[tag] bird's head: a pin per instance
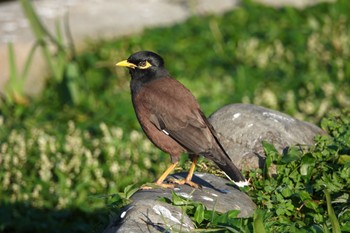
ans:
(144, 65)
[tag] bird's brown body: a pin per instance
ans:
(171, 117)
(149, 103)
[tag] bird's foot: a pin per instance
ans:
(156, 185)
(185, 181)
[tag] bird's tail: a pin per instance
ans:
(222, 160)
(226, 165)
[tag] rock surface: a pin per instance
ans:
(147, 214)
(292, 3)
(242, 128)
(150, 216)
(216, 194)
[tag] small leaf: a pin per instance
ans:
(177, 200)
(129, 191)
(199, 214)
(331, 214)
(73, 76)
(287, 192)
(258, 224)
(233, 213)
(343, 159)
(270, 150)
(304, 169)
(311, 204)
(280, 211)
(293, 154)
(303, 195)
(307, 164)
(271, 155)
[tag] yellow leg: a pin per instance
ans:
(188, 179)
(192, 168)
(160, 180)
(166, 173)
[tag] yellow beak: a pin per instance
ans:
(125, 63)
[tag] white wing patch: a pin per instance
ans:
(165, 132)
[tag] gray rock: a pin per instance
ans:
(147, 214)
(291, 3)
(150, 216)
(242, 128)
(216, 194)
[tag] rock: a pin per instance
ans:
(216, 194)
(147, 214)
(291, 3)
(242, 128)
(150, 216)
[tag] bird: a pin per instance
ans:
(172, 119)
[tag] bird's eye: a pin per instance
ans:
(144, 65)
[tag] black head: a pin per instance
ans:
(139, 59)
(144, 65)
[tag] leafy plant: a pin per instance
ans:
(121, 199)
(14, 89)
(299, 196)
(63, 65)
(209, 220)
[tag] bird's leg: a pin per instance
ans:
(188, 179)
(166, 173)
(160, 180)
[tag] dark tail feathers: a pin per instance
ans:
(229, 168)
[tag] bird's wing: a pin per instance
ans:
(174, 110)
(190, 134)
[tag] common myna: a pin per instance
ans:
(172, 119)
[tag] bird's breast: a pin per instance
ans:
(158, 137)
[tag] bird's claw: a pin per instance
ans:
(185, 181)
(150, 186)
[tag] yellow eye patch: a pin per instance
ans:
(144, 65)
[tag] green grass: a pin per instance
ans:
(62, 160)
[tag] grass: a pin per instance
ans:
(66, 161)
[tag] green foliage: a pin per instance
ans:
(210, 221)
(331, 214)
(258, 223)
(63, 66)
(14, 89)
(120, 199)
(91, 163)
(57, 159)
(294, 198)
